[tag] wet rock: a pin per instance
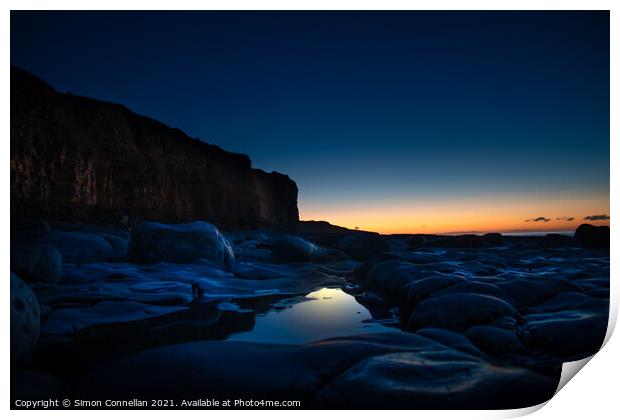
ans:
(179, 243)
(293, 249)
(75, 247)
(562, 301)
(362, 246)
(36, 263)
(370, 371)
(472, 286)
(360, 274)
(495, 341)
(599, 293)
(64, 321)
(100, 229)
(568, 333)
(459, 311)
(25, 320)
(259, 237)
(120, 248)
(506, 323)
(434, 380)
(248, 239)
(593, 237)
(331, 255)
(199, 321)
(593, 282)
(253, 255)
(526, 293)
(389, 277)
(423, 258)
(451, 339)
(246, 270)
(594, 305)
(238, 369)
(417, 290)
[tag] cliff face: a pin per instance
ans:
(76, 158)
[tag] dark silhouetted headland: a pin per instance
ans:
(77, 158)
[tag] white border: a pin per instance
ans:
(593, 394)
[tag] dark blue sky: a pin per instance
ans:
(365, 110)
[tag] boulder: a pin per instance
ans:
(259, 237)
(525, 293)
(288, 249)
(77, 247)
(472, 286)
(120, 248)
(568, 333)
(495, 341)
(152, 242)
(459, 311)
(389, 277)
(360, 274)
(593, 237)
(363, 246)
(417, 290)
(36, 263)
(506, 323)
(451, 339)
(423, 258)
(25, 320)
(107, 229)
(563, 301)
(434, 380)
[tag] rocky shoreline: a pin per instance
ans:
(477, 321)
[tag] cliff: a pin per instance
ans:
(81, 159)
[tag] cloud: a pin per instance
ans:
(597, 217)
(568, 219)
(539, 219)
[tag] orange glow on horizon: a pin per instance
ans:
(454, 216)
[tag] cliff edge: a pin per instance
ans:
(81, 159)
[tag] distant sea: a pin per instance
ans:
(513, 233)
(530, 233)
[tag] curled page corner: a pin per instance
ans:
(518, 412)
(569, 370)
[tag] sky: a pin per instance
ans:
(396, 122)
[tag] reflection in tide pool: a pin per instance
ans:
(327, 313)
